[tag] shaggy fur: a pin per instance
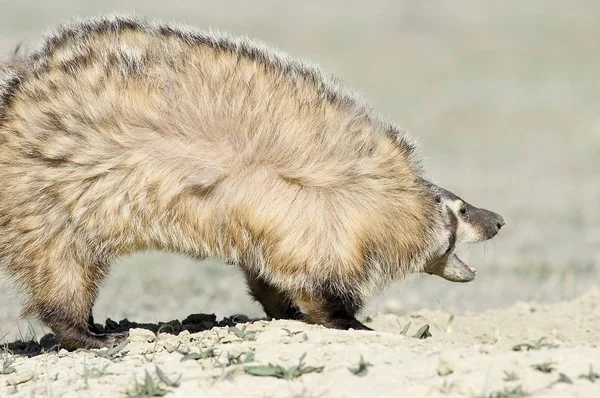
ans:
(119, 135)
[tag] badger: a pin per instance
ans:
(119, 134)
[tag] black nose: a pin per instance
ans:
(499, 221)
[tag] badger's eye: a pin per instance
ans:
(463, 210)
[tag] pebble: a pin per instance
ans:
(444, 368)
(19, 378)
(170, 345)
(141, 335)
(184, 335)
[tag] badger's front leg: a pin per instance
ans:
(330, 310)
(327, 309)
(275, 302)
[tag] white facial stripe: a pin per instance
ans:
(444, 244)
(465, 232)
(454, 205)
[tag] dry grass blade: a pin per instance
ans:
(267, 371)
(93, 372)
(149, 388)
(282, 372)
(450, 324)
(507, 392)
(563, 378)
(544, 367)
(362, 369)
(538, 345)
(510, 376)
(111, 352)
(242, 334)
(165, 379)
(423, 332)
(405, 329)
(291, 333)
(7, 361)
(591, 375)
(208, 353)
(239, 359)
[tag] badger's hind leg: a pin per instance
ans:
(62, 295)
(276, 303)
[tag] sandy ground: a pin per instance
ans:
(530, 348)
(503, 97)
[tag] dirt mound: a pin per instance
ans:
(529, 349)
(194, 323)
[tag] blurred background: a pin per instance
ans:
(504, 97)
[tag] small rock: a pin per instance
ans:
(261, 324)
(63, 353)
(19, 378)
(141, 335)
(184, 335)
(170, 345)
(444, 368)
(138, 348)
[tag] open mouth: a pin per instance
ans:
(448, 265)
(451, 268)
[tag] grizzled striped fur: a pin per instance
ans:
(119, 135)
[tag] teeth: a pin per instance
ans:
(472, 269)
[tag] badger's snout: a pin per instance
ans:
(499, 220)
(490, 223)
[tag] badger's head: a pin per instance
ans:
(473, 224)
(463, 223)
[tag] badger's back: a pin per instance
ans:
(119, 135)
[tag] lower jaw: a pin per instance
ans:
(452, 269)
